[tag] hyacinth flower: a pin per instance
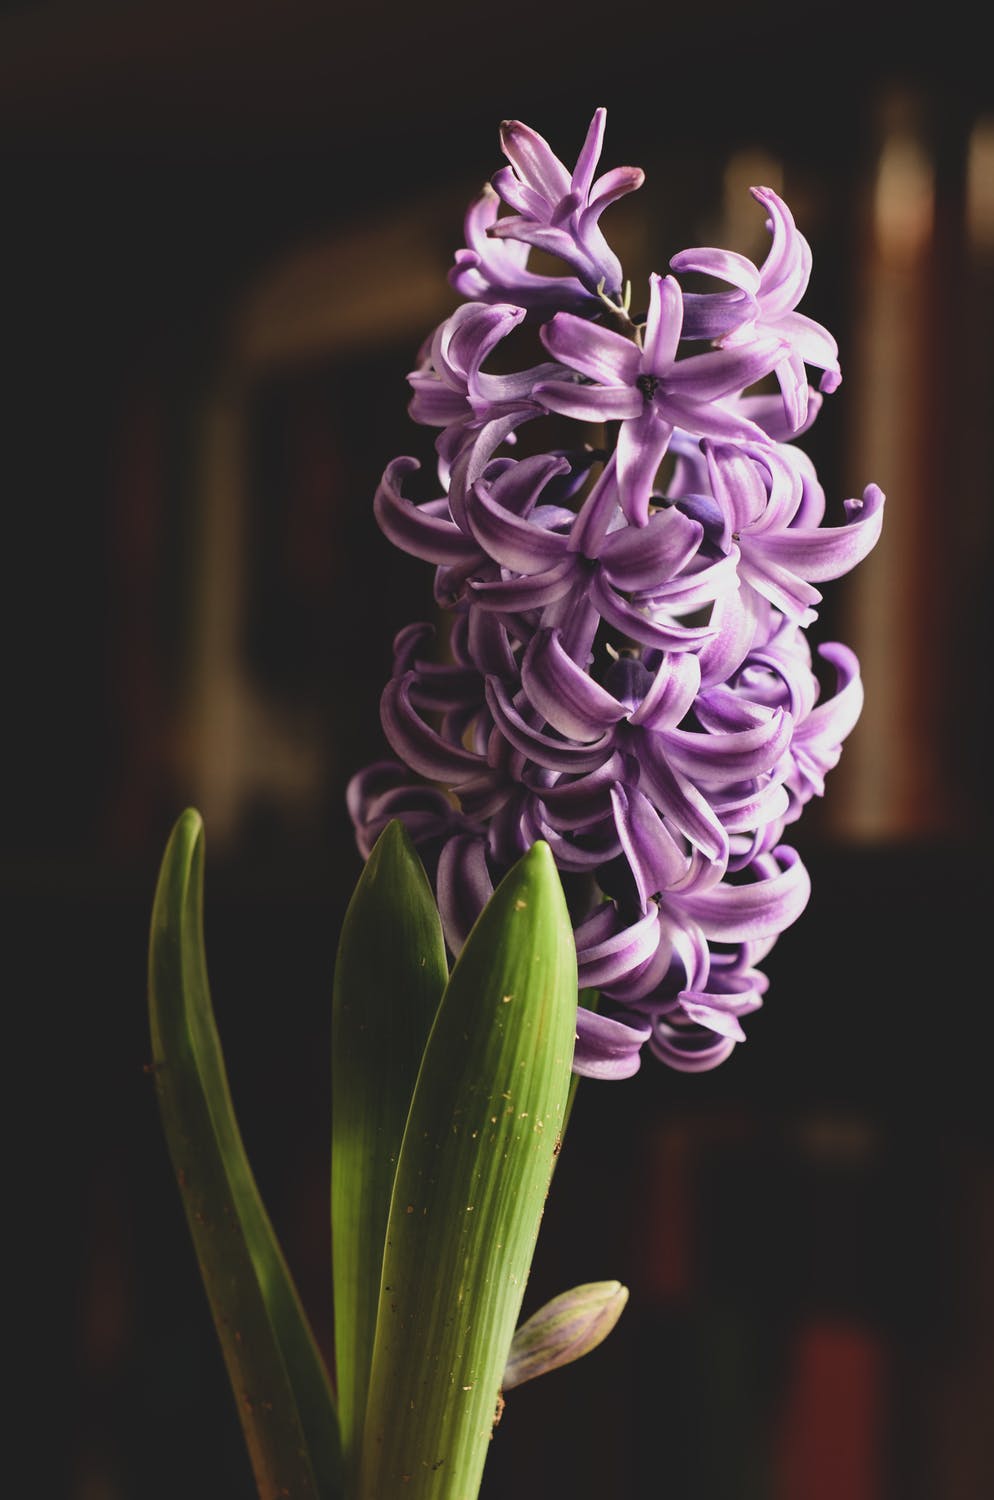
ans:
(553, 210)
(776, 288)
(642, 384)
(630, 677)
(577, 855)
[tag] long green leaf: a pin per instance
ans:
(471, 1182)
(278, 1378)
(390, 972)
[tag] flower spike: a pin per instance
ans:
(629, 678)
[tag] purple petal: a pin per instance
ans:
(679, 799)
(688, 1052)
(780, 586)
(528, 592)
(812, 343)
(605, 957)
(464, 340)
(383, 791)
(637, 624)
(471, 462)
(495, 390)
(639, 557)
(531, 230)
(597, 514)
(486, 644)
(605, 1048)
(708, 377)
(787, 266)
(794, 388)
(675, 685)
(599, 353)
(714, 315)
(493, 269)
(759, 807)
(555, 755)
(737, 913)
(518, 483)
(712, 419)
(576, 618)
(589, 403)
(563, 693)
(608, 189)
(725, 265)
(715, 760)
(434, 404)
(586, 858)
(425, 531)
(509, 540)
(464, 886)
(581, 802)
(734, 621)
(701, 585)
(590, 155)
(698, 1007)
(829, 552)
(530, 204)
(409, 644)
(736, 484)
(533, 159)
(654, 857)
(642, 444)
(759, 689)
(682, 948)
(834, 718)
(418, 745)
(663, 323)
(768, 414)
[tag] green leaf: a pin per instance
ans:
(564, 1330)
(389, 976)
(278, 1378)
(471, 1182)
(591, 1000)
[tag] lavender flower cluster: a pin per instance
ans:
(627, 673)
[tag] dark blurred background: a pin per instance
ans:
(226, 231)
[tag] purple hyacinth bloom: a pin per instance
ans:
(762, 506)
(451, 390)
(557, 211)
(776, 288)
(628, 674)
(383, 791)
(595, 568)
(649, 390)
(495, 269)
(691, 996)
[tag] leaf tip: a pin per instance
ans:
(539, 858)
(187, 833)
(393, 840)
